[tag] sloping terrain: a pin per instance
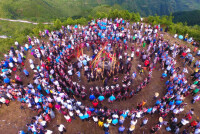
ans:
(15, 119)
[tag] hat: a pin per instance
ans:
(121, 118)
(40, 120)
(132, 127)
(160, 119)
(156, 94)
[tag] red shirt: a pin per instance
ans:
(146, 62)
(95, 104)
(184, 54)
(194, 123)
(47, 118)
(188, 116)
(117, 25)
(156, 27)
(89, 112)
(48, 59)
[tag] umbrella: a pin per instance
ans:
(180, 37)
(6, 80)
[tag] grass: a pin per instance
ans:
(14, 30)
(10, 28)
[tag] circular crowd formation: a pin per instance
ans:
(96, 63)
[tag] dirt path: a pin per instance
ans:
(25, 21)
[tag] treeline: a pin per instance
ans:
(190, 17)
(113, 13)
(175, 28)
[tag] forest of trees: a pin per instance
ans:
(190, 17)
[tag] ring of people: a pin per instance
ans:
(108, 72)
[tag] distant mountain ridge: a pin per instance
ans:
(50, 9)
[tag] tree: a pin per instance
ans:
(57, 24)
(82, 21)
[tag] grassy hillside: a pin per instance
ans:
(15, 31)
(190, 17)
(46, 10)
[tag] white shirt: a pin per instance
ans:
(95, 119)
(133, 122)
(48, 132)
(43, 123)
(2, 100)
(52, 71)
(71, 113)
(61, 128)
(11, 64)
(36, 99)
(70, 72)
(32, 66)
(58, 99)
(197, 131)
(16, 43)
(67, 117)
(30, 61)
(175, 111)
(184, 121)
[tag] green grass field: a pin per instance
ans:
(15, 31)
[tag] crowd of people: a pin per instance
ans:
(55, 84)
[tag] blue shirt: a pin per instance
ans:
(26, 72)
(78, 74)
(101, 98)
(6, 80)
(84, 62)
(149, 110)
(171, 103)
(157, 102)
(92, 97)
(178, 102)
(39, 87)
(121, 129)
(112, 98)
(164, 75)
(114, 121)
